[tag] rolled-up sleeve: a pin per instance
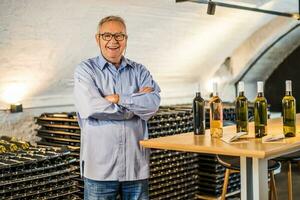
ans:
(90, 103)
(144, 105)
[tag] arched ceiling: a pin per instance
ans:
(43, 41)
(262, 68)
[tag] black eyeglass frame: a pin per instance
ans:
(124, 36)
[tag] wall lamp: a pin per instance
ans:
(15, 108)
(211, 8)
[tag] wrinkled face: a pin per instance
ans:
(112, 41)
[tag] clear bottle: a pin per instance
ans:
(241, 109)
(289, 111)
(260, 112)
(216, 114)
(199, 114)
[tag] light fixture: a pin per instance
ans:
(211, 7)
(15, 108)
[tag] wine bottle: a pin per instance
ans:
(216, 114)
(199, 114)
(9, 146)
(241, 110)
(289, 111)
(260, 112)
(21, 144)
(2, 149)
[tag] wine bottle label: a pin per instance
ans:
(216, 112)
(216, 124)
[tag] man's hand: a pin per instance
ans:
(114, 98)
(146, 90)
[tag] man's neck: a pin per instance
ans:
(117, 65)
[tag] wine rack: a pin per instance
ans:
(62, 130)
(28, 172)
(173, 175)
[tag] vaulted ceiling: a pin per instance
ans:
(41, 42)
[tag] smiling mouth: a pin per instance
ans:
(112, 48)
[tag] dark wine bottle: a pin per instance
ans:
(199, 114)
(289, 111)
(260, 112)
(241, 110)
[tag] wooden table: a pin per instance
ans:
(253, 153)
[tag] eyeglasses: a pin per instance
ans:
(108, 36)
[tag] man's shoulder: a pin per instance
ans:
(87, 64)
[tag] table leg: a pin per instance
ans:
(246, 178)
(260, 179)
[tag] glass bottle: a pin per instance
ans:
(241, 109)
(199, 114)
(9, 146)
(289, 111)
(216, 114)
(260, 112)
(2, 149)
(21, 144)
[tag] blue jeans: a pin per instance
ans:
(109, 190)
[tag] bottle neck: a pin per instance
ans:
(260, 94)
(288, 93)
(215, 89)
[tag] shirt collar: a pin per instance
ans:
(104, 63)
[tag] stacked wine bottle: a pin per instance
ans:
(28, 172)
(61, 130)
(173, 175)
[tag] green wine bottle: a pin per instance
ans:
(289, 111)
(260, 112)
(199, 114)
(241, 110)
(216, 114)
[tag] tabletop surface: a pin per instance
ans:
(247, 146)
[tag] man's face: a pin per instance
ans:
(112, 47)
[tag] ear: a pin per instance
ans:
(97, 39)
(125, 48)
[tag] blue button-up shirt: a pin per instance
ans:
(110, 133)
